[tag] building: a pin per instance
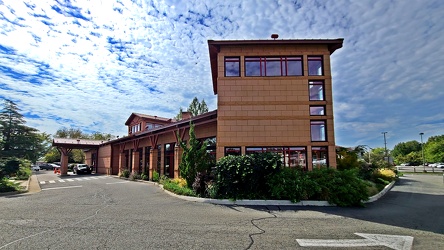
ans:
(272, 95)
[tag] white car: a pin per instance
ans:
(439, 165)
(35, 168)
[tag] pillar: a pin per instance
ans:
(153, 162)
(121, 161)
(177, 159)
(135, 161)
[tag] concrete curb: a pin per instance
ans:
(380, 194)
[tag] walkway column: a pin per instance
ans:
(177, 159)
(121, 162)
(153, 162)
(136, 161)
(64, 160)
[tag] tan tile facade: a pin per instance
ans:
(271, 111)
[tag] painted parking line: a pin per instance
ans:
(51, 181)
(120, 182)
(61, 188)
(69, 179)
(61, 181)
(42, 182)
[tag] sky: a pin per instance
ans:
(90, 64)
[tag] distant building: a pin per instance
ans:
(272, 95)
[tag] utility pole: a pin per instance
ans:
(385, 147)
(422, 149)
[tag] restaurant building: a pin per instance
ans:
(272, 95)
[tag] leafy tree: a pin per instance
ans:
(434, 149)
(195, 108)
(348, 158)
(194, 158)
(17, 139)
(401, 150)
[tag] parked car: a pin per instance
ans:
(82, 169)
(35, 168)
(439, 165)
(46, 166)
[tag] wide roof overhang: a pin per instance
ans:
(76, 143)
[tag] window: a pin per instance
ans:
(136, 128)
(273, 66)
(317, 110)
(319, 156)
(168, 168)
(315, 66)
(232, 66)
(316, 89)
(147, 160)
(318, 131)
(232, 151)
(290, 156)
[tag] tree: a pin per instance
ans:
(195, 108)
(401, 150)
(434, 149)
(348, 158)
(194, 158)
(17, 139)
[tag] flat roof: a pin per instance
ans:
(214, 48)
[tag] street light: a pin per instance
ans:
(422, 149)
(385, 147)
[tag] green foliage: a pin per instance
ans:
(415, 158)
(9, 166)
(8, 186)
(17, 139)
(290, 184)
(434, 149)
(156, 176)
(144, 176)
(175, 187)
(347, 158)
(343, 188)
(134, 176)
(405, 148)
(245, 176)
(125, 173)
(195, 158)
(195, 108)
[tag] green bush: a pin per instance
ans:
(144, 176)
(125, 173)
(23, 173)
(134, 176)
(155, 176)
(245, 176)
(343, 188)
(176, 188)
(8, 186)
(291, 184)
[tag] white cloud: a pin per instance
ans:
(117, 57)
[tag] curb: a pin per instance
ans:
(25, 190)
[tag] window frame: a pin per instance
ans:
(232, 59)
(237, 149)
(312, 124)
(316, 83)
(265, 61)
(318, 106)
(315, 58)
(318, 152)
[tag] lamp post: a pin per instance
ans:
(369, 153)
(385, 147)
(422, 149)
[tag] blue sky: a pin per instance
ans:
(90, 64)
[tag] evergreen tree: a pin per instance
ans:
(194, 158)
(17, 139)
(195, 108)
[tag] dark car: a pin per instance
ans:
(46, 166)
(82, 169)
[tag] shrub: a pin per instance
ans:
(23, 173)
(384, 174)
(134, 176)
(343, 188)
(290, 184)
(176, 187)
(156, 176)
(125, 173)
(8, 186)
(245, 176)
(144, 176)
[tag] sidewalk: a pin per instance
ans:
(26, 186)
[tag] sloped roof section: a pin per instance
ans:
(147, 117)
